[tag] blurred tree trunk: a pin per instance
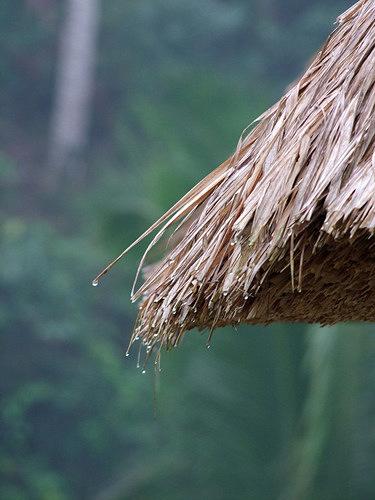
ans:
(74, 84)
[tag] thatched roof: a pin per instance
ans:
(284, 229)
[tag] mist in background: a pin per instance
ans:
(110, 111)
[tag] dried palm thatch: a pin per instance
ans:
(284, 229)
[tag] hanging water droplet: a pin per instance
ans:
(208, 346)
(95, 282)
(143, 372)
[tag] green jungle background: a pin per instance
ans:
(283, 412)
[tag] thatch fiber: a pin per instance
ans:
(284, 229)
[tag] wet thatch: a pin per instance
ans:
(284, 229)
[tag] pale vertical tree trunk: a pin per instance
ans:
(75, 74)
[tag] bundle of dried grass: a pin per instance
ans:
(284, 229)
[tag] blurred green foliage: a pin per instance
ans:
(282, 412)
